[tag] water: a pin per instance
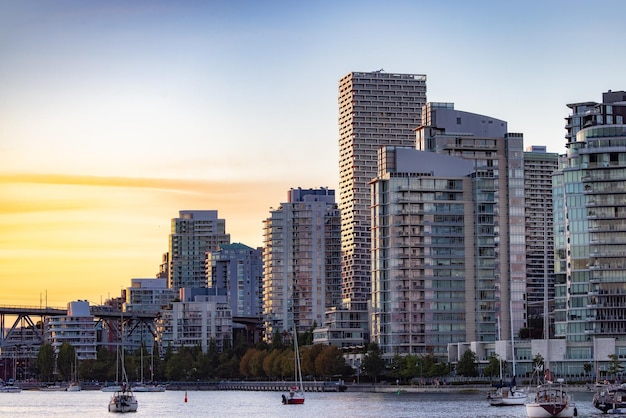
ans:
(93, 404)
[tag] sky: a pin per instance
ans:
(116, 115)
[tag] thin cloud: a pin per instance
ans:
(133, 182)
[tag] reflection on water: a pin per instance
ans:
(93, 404)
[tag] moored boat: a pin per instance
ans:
(10, 389)
(144, 387)
(123, 401)
(551, 400)
(111, 388)
(74, 387)
(507, 396)
(611, 399)
(53, 388)
(296, 392)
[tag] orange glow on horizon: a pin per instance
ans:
(85, 237)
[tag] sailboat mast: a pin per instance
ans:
(499, 338)
(297, 360)
(546, 323)
(512, 339)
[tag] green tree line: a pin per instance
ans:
(273, 361)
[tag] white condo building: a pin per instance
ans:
(76, 328)
(197, 320)
(301, 262)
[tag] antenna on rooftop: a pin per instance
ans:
(379, 71)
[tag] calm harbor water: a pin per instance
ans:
(92, 404)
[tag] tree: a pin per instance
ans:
(309, 355)
(256, 363)
(271, 364)
(65, 361)
(428, 363)
(398, 364)
(493, 368)
(373, 363)
(46, 362)
(588, 367)
(615, 368)
(330, 362)
(467, 364)
(439, 369)
(411, 366)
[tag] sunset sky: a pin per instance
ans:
(116, 115)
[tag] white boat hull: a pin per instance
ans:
(148, 388)
(54, 388)
(551, 400)
(546, 410)
(10, 389)
(123, 402)
(507, 397)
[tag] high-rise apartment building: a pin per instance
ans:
(376, 109)
(238, 270)
(423, 242)
(193, 234)
(497, 286)
(539, 165)
(590, 240)
(301, 261)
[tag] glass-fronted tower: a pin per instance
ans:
(590, 279)
(499, 252)
(422, 251)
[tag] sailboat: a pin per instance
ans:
(296, 392)
(74, 385)
(551, 398)
(123, 400)
(115, 387)
(152, 387)
(508, 395)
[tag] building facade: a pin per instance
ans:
(77, 328)
(238, 269)
(499, 280)
(590, 243)
(539, 165)
(301, 261)
(422, 251)
(200, 319)
(193, 234)
(375, 109)
(146, 296)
